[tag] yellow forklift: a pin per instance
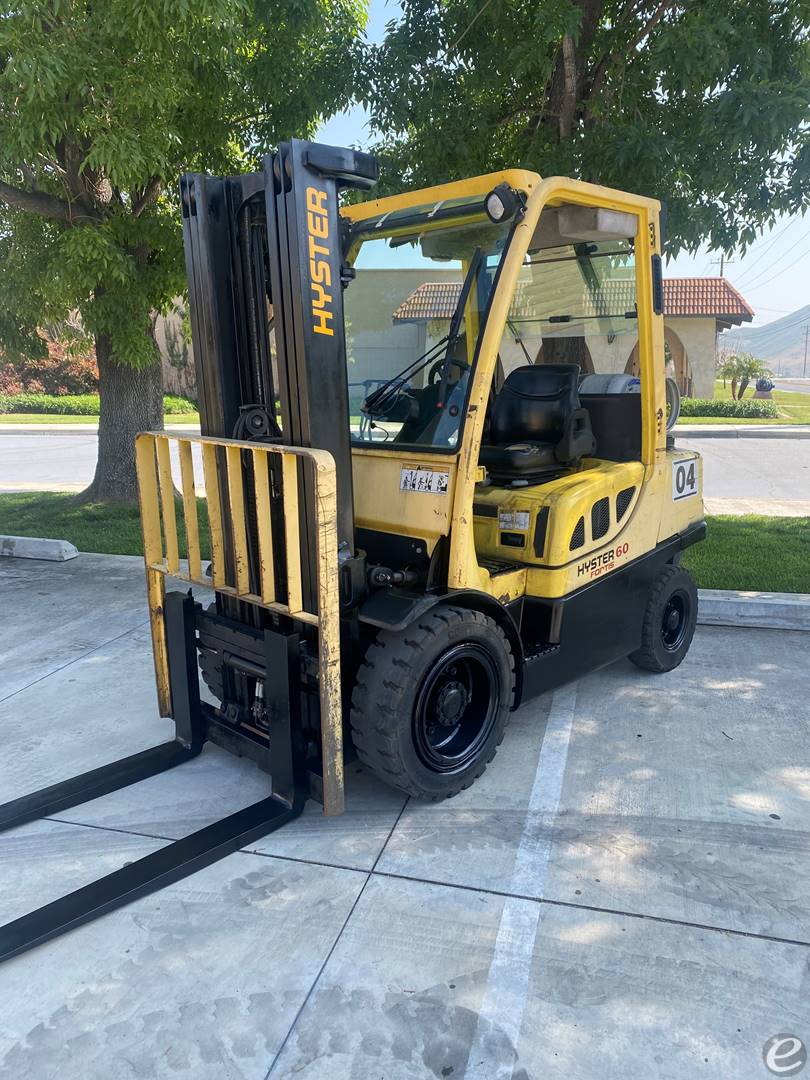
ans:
(439, 480)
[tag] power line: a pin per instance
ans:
(723, 261)
(776, 262)
(766, 249)
(780, 324)
(766, 335)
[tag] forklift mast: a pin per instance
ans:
(265, 267)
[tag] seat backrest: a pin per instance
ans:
(534, 403)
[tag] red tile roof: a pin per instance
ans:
(712, 298)
(705, 296)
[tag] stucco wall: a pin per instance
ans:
(176, 354)
(698, 337)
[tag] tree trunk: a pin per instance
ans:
(131, 401)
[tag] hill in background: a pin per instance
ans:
(780, 344)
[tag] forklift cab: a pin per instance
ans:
(514, 328)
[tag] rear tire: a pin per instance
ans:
(431, 702)
(669, 621)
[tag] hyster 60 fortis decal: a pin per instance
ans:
(603, 562)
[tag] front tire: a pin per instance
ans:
(669, 621)
(431, 702)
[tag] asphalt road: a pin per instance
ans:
(795, 386)
(52, 460)
(734, 468)
(753, 468)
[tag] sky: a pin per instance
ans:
(773, 276)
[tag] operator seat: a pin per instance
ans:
(538, 427)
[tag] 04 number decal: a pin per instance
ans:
(684, 478)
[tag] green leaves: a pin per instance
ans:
(703, 104)
(104, 104)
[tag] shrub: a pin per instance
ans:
(751, 409)
(62, 371)
(10, 382)
(77, 404)
(174, 404)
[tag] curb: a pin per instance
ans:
(716, 607)
(765, 611)
(34, 547)
(752, 431)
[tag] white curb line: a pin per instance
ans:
(769, 611)
(35, 547)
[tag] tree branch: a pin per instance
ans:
(40, 202)
(616, 57)
(568, 103)
(147, 196)
(652, 22)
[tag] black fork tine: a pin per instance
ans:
(90, 785)
(144, 876)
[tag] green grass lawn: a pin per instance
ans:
(102, 527)
(753, 553)
(761, 554)
(170, 420)
(794, 408)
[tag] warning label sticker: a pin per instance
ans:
(517, 519)
(429, 481)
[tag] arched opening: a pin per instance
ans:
(676, 361)
(566, 350)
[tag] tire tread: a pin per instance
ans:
(390, 668)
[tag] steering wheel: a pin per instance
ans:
(435, 373)
(397, 404)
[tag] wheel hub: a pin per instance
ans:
(451, 702)
(674, 620)
(456, 707)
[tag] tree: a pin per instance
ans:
(703, 103)
(748, 368)
(102, 106)
(741, 368)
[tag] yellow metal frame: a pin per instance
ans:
(519, 179)
(162, 553)
(376, 468)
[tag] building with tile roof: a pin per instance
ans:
(696, 310)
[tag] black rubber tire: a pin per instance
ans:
(655, 654)
(387, 689)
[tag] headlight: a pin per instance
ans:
(501, 204)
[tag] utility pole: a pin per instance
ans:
(804, 365)
(723, 262)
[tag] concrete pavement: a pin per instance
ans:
(625, 893)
